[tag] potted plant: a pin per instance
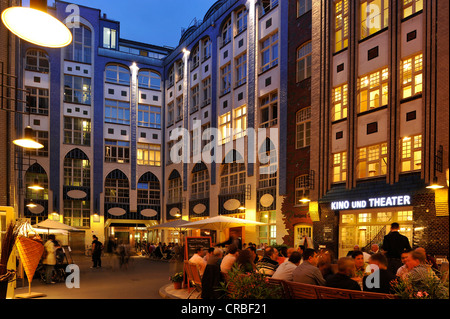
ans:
(177, 280)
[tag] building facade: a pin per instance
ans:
(320, 118)
(375, 127)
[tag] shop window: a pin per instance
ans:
(384, 217)
(403, 216)
(348, 219)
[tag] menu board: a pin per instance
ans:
(193, 242)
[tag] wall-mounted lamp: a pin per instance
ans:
(304, 200)
(36, 186)
(36, 26)
(28, 140)
(435, 184)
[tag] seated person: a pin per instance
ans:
(197, 259)
(308, 272)
(229, 259)
(343, 278)
(286, 269)
(212, 277)
(382, 277)
(268, 264)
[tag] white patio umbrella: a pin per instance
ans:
(177, 225)
(53, 224)
(220, 223)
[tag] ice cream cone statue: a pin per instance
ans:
(30, 252)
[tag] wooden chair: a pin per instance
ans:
(300, 291)
(331, 293)
(196, 279)
(279, 283)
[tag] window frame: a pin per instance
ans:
(303, 124)
(304, 61)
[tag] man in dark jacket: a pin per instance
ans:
(382, 277)
(394, 244)
(342, 279)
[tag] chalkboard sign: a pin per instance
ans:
(193, 242)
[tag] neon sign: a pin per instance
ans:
(378, 202)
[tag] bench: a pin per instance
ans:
(297, 290)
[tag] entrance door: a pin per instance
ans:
(300, 231)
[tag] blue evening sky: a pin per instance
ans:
(156, 22)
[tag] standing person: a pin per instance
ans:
(97, 247)
(50, 258)
(308, 272)
(234, 239)
(394, 244)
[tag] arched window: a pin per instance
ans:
(117, 74)
(175, 188)
(200, 181)
(232, 174)
(36, 175)
(304, 57)
(206, 48)
(149, 80)
(241, 20)
(117, 189)
(268, 164)
(77, 169)
(226, 32)
(37, 60)
(149, 190)
(80, 49)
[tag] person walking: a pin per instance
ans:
(97, 247)
(49, 260)
(394, 244)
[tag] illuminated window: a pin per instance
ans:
(411, 6)
(117, 189)
(77, 89)
(340, 103)
(384, 217)
(304, 57)
(268, 165)
(148, 154)
(341, 31)
(109, 38)
(411, 153)
(372, 161)
(301, 188)
(240, 121)
(77, 172)
(268, 233)
(364, 218)
(373, 90)
(374, 16)
(339, 167)
(77, 131)
(225, 128)
(412, 77)
(77, 213)
(348, 218)
(269, 52)
(404, 216)
(148, 190)
(303, 131)
(232, 175)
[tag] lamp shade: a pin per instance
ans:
(28, 141)
(37, 27)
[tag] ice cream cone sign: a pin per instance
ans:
(30, 252)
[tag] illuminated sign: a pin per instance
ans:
(378, 202)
